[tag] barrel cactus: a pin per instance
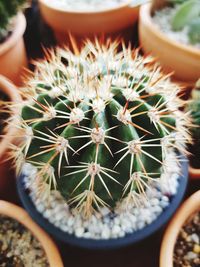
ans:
(98, 125)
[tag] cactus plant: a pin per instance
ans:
(98, 124)
(188, 14)
(8, 9)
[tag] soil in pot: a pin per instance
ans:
(187, 248)
(18, 247)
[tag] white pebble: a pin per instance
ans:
(191, 255)
(195, 238)
(79, 232)
(105, 234)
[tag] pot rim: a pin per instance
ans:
(15, 212)
(12, 92)
(146, 18)
(18, 31)
(102, 244)
(93, 12)
(190, 206)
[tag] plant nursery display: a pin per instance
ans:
(171, 32)
(89, 19)
(8, 92)
(194, 108)
(181, 243)
(22, 242)
(12, 50)
(102, 131)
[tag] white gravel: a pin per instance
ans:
(106, 224)
(162, 19)
(85, 5)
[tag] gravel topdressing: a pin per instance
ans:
(162, 19)
(106, 224)
(85, 5)
(187, 248)
(18, 247)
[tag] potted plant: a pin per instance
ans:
(194, 107)
(98, 159)
(170, 32)
(23, 242)
(8, 92)
(12, 50)
(89, 19)
(181, 245)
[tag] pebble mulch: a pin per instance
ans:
(187, 248)
(85, 5)
(18, 247)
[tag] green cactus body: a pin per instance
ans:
(98, 128)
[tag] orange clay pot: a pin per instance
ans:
(190, 206)
(13, 57)
(194, 173)
(182, 60)
(7, 180)
(22, 217)
(111, 22)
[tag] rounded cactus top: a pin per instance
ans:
(98, 124)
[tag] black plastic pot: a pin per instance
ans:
(128, 239)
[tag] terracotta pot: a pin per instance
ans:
(175, 57)
(194, 173)
(22, 217)
(190, 206)
(13, 58)
(112, 22)
(7, 180)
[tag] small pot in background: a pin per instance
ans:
(13, 59)
(7, 179)
(22, 217)
(189, 207)
(110, 22)
(182, 60)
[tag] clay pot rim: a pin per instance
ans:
(95, 12)
(18, 31)
(15, 212)
(194, 173)
(145, 15)
(190, 206)
(8, 88)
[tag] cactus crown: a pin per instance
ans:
(98, 125)
(188, 14)
(8, 9)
